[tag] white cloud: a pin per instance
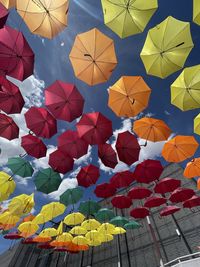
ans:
(66, 184)
(42, 163)
(85, 159)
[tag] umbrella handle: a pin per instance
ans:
(31, 132)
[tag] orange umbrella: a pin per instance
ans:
(56, 243)
(192, 168)
(28, 218)
(93, 57)
(7, 226)
(198, 184)
(73, 247)
(39, 239)
(179, 148)
(151, 129)
(129, 96)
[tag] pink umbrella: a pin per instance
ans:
(88, 175)
(121, 202)
(41, 122)
(154, 201)
(16, 56)
(192, 202)
(8, 128)
(104, 190)
(122, 179)
(167, 185)
(3, 15)
(169, 210)
(61, 162)
(64, 101)
(181, 194)
(107, 155)
(139, 193)
(139, 212)
(33, 146)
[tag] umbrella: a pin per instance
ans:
(47, 181)
(185, 89)
(8, 3)
(40, 219)
(181, 194)
(88, 175)
(119, 231)
(192, 202)
(151, 129)
(28, 228)
(11, 100)
(104, 190)
(127, 147)
(49, 232)
(20, 167)
(89, 207)
(74, 218)
(139, 192)
(39, 239)
(94, 128)
(139, 212)
(45, 246)
(148, 171)
(104, 214)
(166, 185)
(61, 162)
(3, 15)
(107, 237)
(154, 201)
(106, 228)
(121, 202)
(107, 155)
(28, 241)
(196, 12)
(71, 196)
(59, 249)
(91, 224)
(73, 248)
(167, 47)
(16, 56)
(52, 210)
(122, 179)
(197, 124)
(129, 96)
(64, 101)
(44, 18)
(7, 185)
(60, 228)
(132, 225)
(169, 210)
(7, 218)
(12, 236)
(80, 240)
(8, 128)
(65, 237)
(33, 146)
(93, 236)
(119, 221)
(41, 122)
(192, 168)
(78, 230)
(21, 204)
(70, 143)
(29, 218)
(179, 148)
(93, 57)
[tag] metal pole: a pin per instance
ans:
(82, 257)
(92, 252)
(119, 252)
(126, 242)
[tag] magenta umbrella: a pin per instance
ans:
(167, 185)
(139, 212)
(3, 15)
(169, 210)
(127, 147)
(181, 194)
(72, 144)
(33, 146)
(61, 162)
(121, 202)
(139, 192)
(122, 179)
(41, 122)
(94, 128)
(192, 202)
(11, 100)
(64, 101)
(107, 155)
(88, 175)
(16, 56)
(8, 128)
(104, 190)
(154, 201)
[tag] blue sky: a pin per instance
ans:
(52, 63)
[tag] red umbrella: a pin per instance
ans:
(107, 155)
(64, 101)
(192, 202)
(127, 147)
(139, 193)
(41, 122)
(8, 128)
(167, 185)
(181, 194)
(122, 179)
(88, 175)
(3, 15)
(11, 100)
(12, 236)
(104, 190)
(60, 249)
(154, 201)
(61, 162)
(45, 246)
(148, 171)
(16, 56)
(72, 144)
(28, 241)
(139, 212)
(169, 210)
(121, 202)
(33, 146)
(94, 128)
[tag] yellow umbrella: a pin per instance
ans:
(65, 237)
(40, 219)
(80, 240)
(78, 230)
(106, 238)
(8, 218)
(7, 185)
(90, 224)
(21, 204)
(52, 210)
(74, 218)
(45, 18)
(94, 243)
(196, 11)
(127, 18)
(167, 47)
(48, 232)
(28, 228)
(8, 3)
(197, 124)
(60, 228)
(3, 196)
(119, 231)
(106, 228)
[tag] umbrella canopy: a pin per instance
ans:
(104, 190)
(12, 236)
(119, 221)
(94, 128)
(151, 129)
(41, 122)
(45, 246)
(78, 230)
(89, 207)
(8, 3)
(39, 239)
(166, 185)
(121, 202)
(154, 201)
(107, 155)
(16, 56)
(49, 232)
(104, 215)
(7, 218)
(74, 218)
(8, 128)
(65, 237)
(106, 228)
(192, 202)
(7, 185)
(185, 90)
(80, 240)
(197, 124)
(129, 96)
(181, 194)
(139, 192)
(122, 179)
(20, 167)
(3, 15)
(93, 236)
(71, 196)
(28, 228)
(179, 148)
(88, 175)
(119, 231)
(64, 101)
(148, 171)
(52, 210)
(28, 241)
(192, 168)
(169, 210)
(167, 47)
(61, 162)
(45, 18)
(21, 204)
(107, 237)
(139, 212)
(47, 180)
(127, 147)
(70, 143)
(132, 225)
(91, 224)
(11, 100)
(33, 146)
(73, 248)
(196, 12)
(40, 219)
(93, 57)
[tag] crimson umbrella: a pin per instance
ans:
(169, 210)
(127, 147)
(72, 144)
(139, 193)
(121, 202)
(88, 175)
(8, 128)
(45, 246)
(61, 162)
(148, 171)
(33, 146)
(16, 56)
(107, 155)
(64, 101)
(139, 212)
(192, 202)
(167, 185)
(3, 15)
(28, 241)
(122, 179)
(60, 249)
(181, 194)
(104, 190)
(94, 128)
(12, 236)
(154, 201)
(41, 122)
